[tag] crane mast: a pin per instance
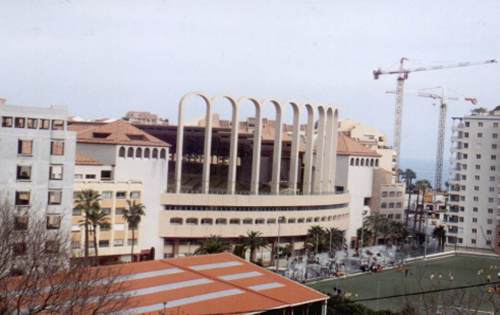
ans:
(402, 73)
(443, 108)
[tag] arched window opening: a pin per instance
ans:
(138, 153)
(147, 153)
(121, 153)
(155, 153)
(163, 154)
(130, 152)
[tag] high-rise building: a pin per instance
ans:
(37, 153)
(473, 217)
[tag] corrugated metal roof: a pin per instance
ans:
(209, 284)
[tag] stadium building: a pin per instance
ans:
(227, 178)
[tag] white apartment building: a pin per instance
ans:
(37, 154)
(355, 168)
(123, 163)
(473, 218)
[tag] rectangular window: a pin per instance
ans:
(23, 198)
(106, 211)
(118, 242)
(495, 135)
(56, 172)
(57, 147)
(106, 195)
(479, 134)
(53, 222)
(493, 157)
(121, 194)
(106, 175)
(474, 220)
(480, 124)
(131, 241)
(45, 124)
(32, 123)
(55, 197)
(494, 146)
(7, 122)
(478, 156)
(21, 223)
(135, 195)
(57, 124)
(90, 176)
(23, 172)
(25, 147)
(104, 243)
(20, 122)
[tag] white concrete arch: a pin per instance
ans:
(278, 140)
(257, 140)
(294, 150)
(320, 148)
(308, 154)
(207, 142)
(327, 155)
(233, 147)
(333, 162)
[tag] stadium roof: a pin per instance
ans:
(209, 284)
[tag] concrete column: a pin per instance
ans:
(257, 139)
(180, 136)
(233, 147)
(333, 162)
(207, 151)
(308, 155)
(320, 148)
(327, 156)
(278, 137)
(294, 150)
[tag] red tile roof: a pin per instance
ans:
(209, 284)
(348, 146)
(117, 132)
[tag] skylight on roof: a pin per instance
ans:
(136, 137)
(101, 135)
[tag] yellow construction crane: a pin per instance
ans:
(443, 106)
(402, 73)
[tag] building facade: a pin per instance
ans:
(123, 163)
(473, 218)
(38, 155)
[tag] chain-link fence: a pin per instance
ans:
(324, 265)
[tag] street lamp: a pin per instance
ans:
(278, 245)
(363, 214)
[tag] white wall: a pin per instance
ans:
(358, 180)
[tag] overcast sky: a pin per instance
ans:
(103, 58)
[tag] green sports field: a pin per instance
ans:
(434, 274)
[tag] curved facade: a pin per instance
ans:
(231, 177)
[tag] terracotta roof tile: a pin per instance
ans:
(349, 146)
(117, 132)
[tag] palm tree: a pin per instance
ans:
(315, 239)
(253, 241)
(409, 175)
(397, 231)
(336, 239)
(133, 217)
(87, 201)
(422, 186)
(439, 233)
(377, 224)
(212, 245)
(96, 218)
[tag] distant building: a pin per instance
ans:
(122, 163)
(373, 139)
(144, 118)
(473, 218)
(37, 154)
